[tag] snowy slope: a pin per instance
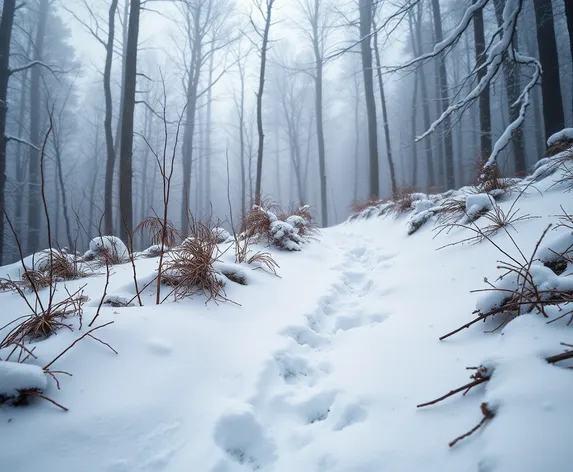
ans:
(320, 370)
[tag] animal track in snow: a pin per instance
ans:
(352, 414)
(304, 336)
(317, 407)
(244, 440)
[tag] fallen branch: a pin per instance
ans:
(487, 415)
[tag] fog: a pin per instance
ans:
(104, 126)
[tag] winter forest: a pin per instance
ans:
(114, 111)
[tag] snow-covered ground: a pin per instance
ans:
(318, 370)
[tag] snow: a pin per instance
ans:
(15, 378)
(563, 135)
(112, 244)
(478, 204)
(319, 369)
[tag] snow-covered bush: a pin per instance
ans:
(109, 249)
(286, 232)
(285, 236)
(560, 141)
(18, 380)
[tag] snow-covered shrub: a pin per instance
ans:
(560, 141)
(109, 249)
(286, 232)
(285, 236)
(17, 381)
(418, 220)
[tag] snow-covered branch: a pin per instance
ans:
(500, 49)
(21, 141)
(452, 39)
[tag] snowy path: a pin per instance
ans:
(318, 371)
(295, 401)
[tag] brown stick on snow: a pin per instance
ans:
(453, 392)
(47, 366)
(487, 415)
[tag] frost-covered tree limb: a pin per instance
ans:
(496, 52)
(21, 141)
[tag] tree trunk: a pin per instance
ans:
(125, 165)
(550, 83)
(242, 144)
(189, 133)
(117, 142)
(34, 203)
(511, 76)
(208, 127)
(260, 101)
(417, 48)
(413, 125)
(384, 113)
(6, 23)
(443, 92)
(357, 130)
(366, 8)
(484, 105)
(569, 15)
(110, 164)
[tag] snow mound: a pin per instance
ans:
(478, 204)
(110, 245)
(561, 136)
(16, 378)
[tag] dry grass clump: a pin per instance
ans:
(558, 148)
(359, 206)
(262, 260)
(189, 269)
(490, 179)
(403, 199)
(452, 208)
(256, 222)
(154, 225)
(63, 266)
(42, 324)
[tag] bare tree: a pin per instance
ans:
(6, 24)
(484, 105)
(550, 83)
(444, 100)
(384, 109)
(320, 25)
(34, 197)
(366, 10)
(265, 8)
(125, 164)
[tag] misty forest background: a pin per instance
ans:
(102, 97)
